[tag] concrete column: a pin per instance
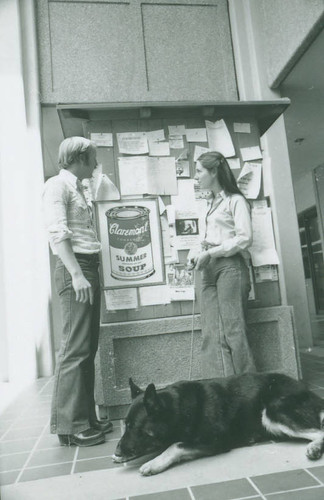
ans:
(25, 284)
(251, 68)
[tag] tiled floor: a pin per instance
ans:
(34, 466)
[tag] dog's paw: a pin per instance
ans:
(314, 451)
(150, 468)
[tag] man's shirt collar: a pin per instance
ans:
(69, 177)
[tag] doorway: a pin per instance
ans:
(312, 252)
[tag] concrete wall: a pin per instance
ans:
(288, 27)
(250, 49)
(24, 287)
(304, 192)
(102, 51)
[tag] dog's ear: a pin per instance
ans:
(152, 402)
(135, 390)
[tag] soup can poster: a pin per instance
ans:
(130, 242)
(130, 232)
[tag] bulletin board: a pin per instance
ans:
(172, 138)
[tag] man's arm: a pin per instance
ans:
(81, 285)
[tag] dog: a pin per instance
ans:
(191, 419)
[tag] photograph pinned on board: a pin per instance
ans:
(186, 226)
(181, 281)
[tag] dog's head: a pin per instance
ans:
(146, 424)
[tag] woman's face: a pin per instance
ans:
(207, 179)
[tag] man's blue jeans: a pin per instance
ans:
(224, 297)
(73, 405)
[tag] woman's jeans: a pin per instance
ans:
(73, 405)
(224, 297)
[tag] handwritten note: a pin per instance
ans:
(147, 175)
(158, 146)
(249, 180)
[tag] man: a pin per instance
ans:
(73, 239)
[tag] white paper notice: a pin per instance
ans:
(249, 180)
(121, 298)
(196, 135)
(166, 240)
(266, 273)
(104, 189)
(186, 194)
(147, 175)
(199, 151)
(153, 295)
(132, 143)
(158, 146)
(263, 251)
(177, 130)
(242, 128)
(176, 141)
(234, 163)
(170, 214)
(252, 153)
(102, 140)
(219, 138)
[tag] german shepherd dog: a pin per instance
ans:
(187, 420)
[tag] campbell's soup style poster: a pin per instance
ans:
(132, 246)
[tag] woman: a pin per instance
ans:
(225, 276)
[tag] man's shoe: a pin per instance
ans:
(102, 425)
(89, 437)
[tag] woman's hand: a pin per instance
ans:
(192, 258)
(202, 260)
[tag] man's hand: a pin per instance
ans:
(203, 260)
(83, 289)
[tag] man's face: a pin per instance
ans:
(89, 165)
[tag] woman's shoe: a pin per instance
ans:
(102, 425)
(89, 437)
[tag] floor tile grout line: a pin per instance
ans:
(256, 488)
(31, 452)
(74, 460)
(313, 476)
(30, 426)
(14, 453)
(23, 412)
(59, 463)
(40, 466)
(38, 449)
(302, 488)
(248, 498)
(192, 496)
(15, 420)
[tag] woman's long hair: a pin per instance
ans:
(225, 177)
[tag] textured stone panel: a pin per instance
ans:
(188, 51)
(164, 358)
